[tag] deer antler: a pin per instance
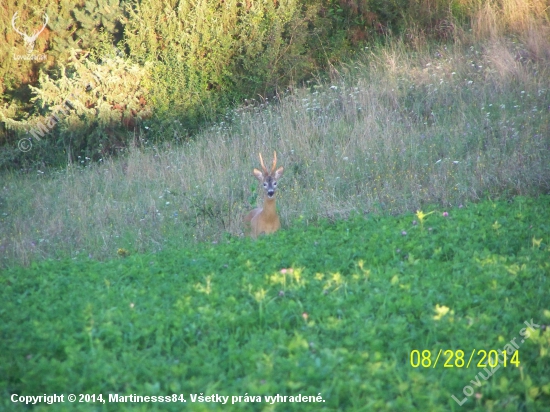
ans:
(13, 25)
(46, 20)
(263, 165)
(274, 162)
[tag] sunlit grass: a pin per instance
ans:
(395, 130)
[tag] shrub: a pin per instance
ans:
(89, 106)
(204, 58)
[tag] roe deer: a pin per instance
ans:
(265, 220)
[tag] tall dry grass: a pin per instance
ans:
(493, 18)
(397, 130)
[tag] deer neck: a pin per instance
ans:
(269, 206)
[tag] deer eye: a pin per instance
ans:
(274, 183)
(265, 184)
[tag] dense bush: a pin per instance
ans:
(206, 57)
(87, 107)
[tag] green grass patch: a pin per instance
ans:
(335, 308)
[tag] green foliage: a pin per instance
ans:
(90, 27)
(206, 56)
(335, 309)
(84, 109)
(98, 15)
(209, 55)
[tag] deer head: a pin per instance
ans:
(269, 179)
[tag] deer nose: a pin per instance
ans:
(270, 192)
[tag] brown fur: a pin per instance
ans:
(264, 220)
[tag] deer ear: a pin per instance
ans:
(279, 173)
(259, 175)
